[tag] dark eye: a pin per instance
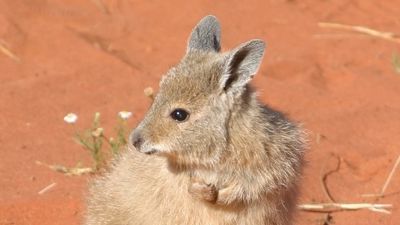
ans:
(179, 115)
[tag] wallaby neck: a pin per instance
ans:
(245, 131)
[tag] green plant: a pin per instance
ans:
(94, 139)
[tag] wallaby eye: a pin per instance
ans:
(179, 115)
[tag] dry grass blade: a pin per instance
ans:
(335, 207)
(388, 179)
(364, 30)
(47, 188)
(73, 171)
(8, 52)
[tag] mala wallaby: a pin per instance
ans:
(207, 152)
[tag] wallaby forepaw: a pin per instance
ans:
(203, 191)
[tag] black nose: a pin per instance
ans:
(137, 140)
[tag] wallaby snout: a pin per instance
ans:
(136, 139)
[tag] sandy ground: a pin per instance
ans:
(84, 56)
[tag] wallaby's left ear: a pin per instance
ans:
(241, 65)
(205, 36)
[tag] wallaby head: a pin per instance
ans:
(188, 121)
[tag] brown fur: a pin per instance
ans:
(233, 161)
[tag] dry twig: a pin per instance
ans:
(336, 207)
(325, 176)
(364, 30)
(73, 171)
(324, 184)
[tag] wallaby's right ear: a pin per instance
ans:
(241, 65)
(205, 36)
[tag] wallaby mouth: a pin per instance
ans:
(151, 152)
(141, 145)
(146, 150)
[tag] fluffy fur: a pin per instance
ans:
(233, 161)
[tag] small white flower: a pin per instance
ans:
(71, 118)
(124, 115)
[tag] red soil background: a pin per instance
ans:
(84, 57)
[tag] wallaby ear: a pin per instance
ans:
(205, 35)
(241, 65)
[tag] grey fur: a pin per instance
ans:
(206, 36)
(242, 63)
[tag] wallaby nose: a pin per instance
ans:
(136, 139)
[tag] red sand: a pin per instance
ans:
(76, 56)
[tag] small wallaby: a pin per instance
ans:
(207, 152)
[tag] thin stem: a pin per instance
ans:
(389, 178)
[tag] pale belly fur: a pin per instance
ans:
(142, 190)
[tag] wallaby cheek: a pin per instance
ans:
(154, 130)
(164, 133)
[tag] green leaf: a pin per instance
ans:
(84, 143)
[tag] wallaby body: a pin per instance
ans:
(214, 154)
